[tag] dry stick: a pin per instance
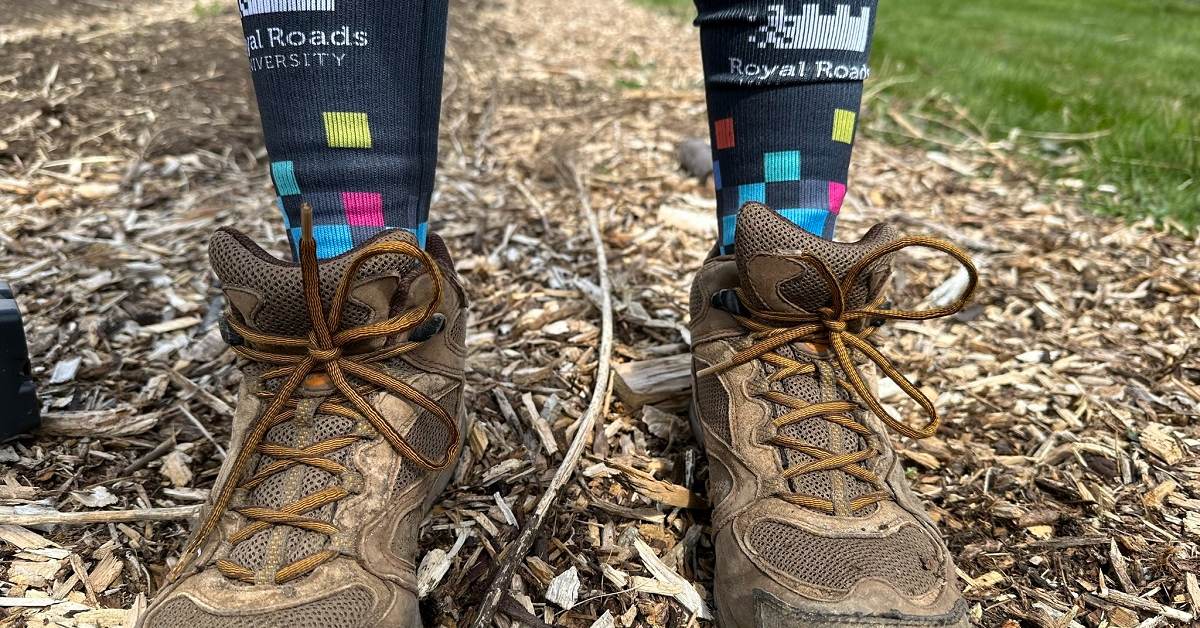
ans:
(516, 552)
(100, 516)
(203, 430)
(150, 456)
(1142, 604)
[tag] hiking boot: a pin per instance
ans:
(814, 524)
(347, 428)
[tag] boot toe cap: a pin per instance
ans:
(347, 608)
(331, 598)
(772, 612)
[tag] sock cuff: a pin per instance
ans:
(773, 42)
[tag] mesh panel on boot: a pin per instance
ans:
(712, 402)
(457, 336)
(430, 438)
(819, 432)
(696, 300)
(814, 431)
(347, 609)
(905, 560)
(761, 231)
(242, 264)
(274, 493)
(297, 543)
(271, 493)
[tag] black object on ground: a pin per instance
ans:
(18, 397)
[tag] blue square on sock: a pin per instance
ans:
(811, 220)
(332, 240)
(782, 166)
(728, 228)
(422, 231)
(756, 192)
(284, 173)
(717, 174)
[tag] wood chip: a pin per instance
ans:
(176, 468)
(564, 589)
(1067, 390)
(659, 490)
(665, 382)
(685, 593)
(1161, 441)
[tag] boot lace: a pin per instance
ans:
(840, 330)
(334, 355)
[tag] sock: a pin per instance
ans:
(784, 86)
(350, 94)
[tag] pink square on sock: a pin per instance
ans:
(363, 209)
(837, 194)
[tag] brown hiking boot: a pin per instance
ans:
(814, 524)
(347, 428)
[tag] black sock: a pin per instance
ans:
(350, 94)
(784, 82)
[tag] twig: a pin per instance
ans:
(100, 516)
(150, 456)
(515, 553)
(1142, 604)
(203, 430)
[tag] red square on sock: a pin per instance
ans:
(724, 133)
(363, 209)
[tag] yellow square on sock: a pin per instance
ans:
(347, 129)
(843, 126)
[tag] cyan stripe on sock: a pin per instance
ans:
(728, 227)
(422, 232)
(284, 174)
(756, 192)
(811, 220)
(332, 240)
(782, 166)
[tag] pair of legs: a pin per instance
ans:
(352, 412)
(350, 95)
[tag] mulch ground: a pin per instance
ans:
(1065, 479)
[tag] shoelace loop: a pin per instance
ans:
(835, 327)
(325, 350)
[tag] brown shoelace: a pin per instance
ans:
(831, 327)
(324, 350)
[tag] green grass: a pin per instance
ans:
(1128, 70)
(209, 8)
(682, 8)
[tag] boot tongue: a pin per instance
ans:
(268, 292)
(768, 248)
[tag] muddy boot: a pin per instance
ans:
(814, 523)
(347, 428)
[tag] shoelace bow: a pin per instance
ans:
(830, 326)
(323, 350)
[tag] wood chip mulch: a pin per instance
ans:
(1065, 479)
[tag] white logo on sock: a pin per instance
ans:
(256, 7)
(812, 31)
